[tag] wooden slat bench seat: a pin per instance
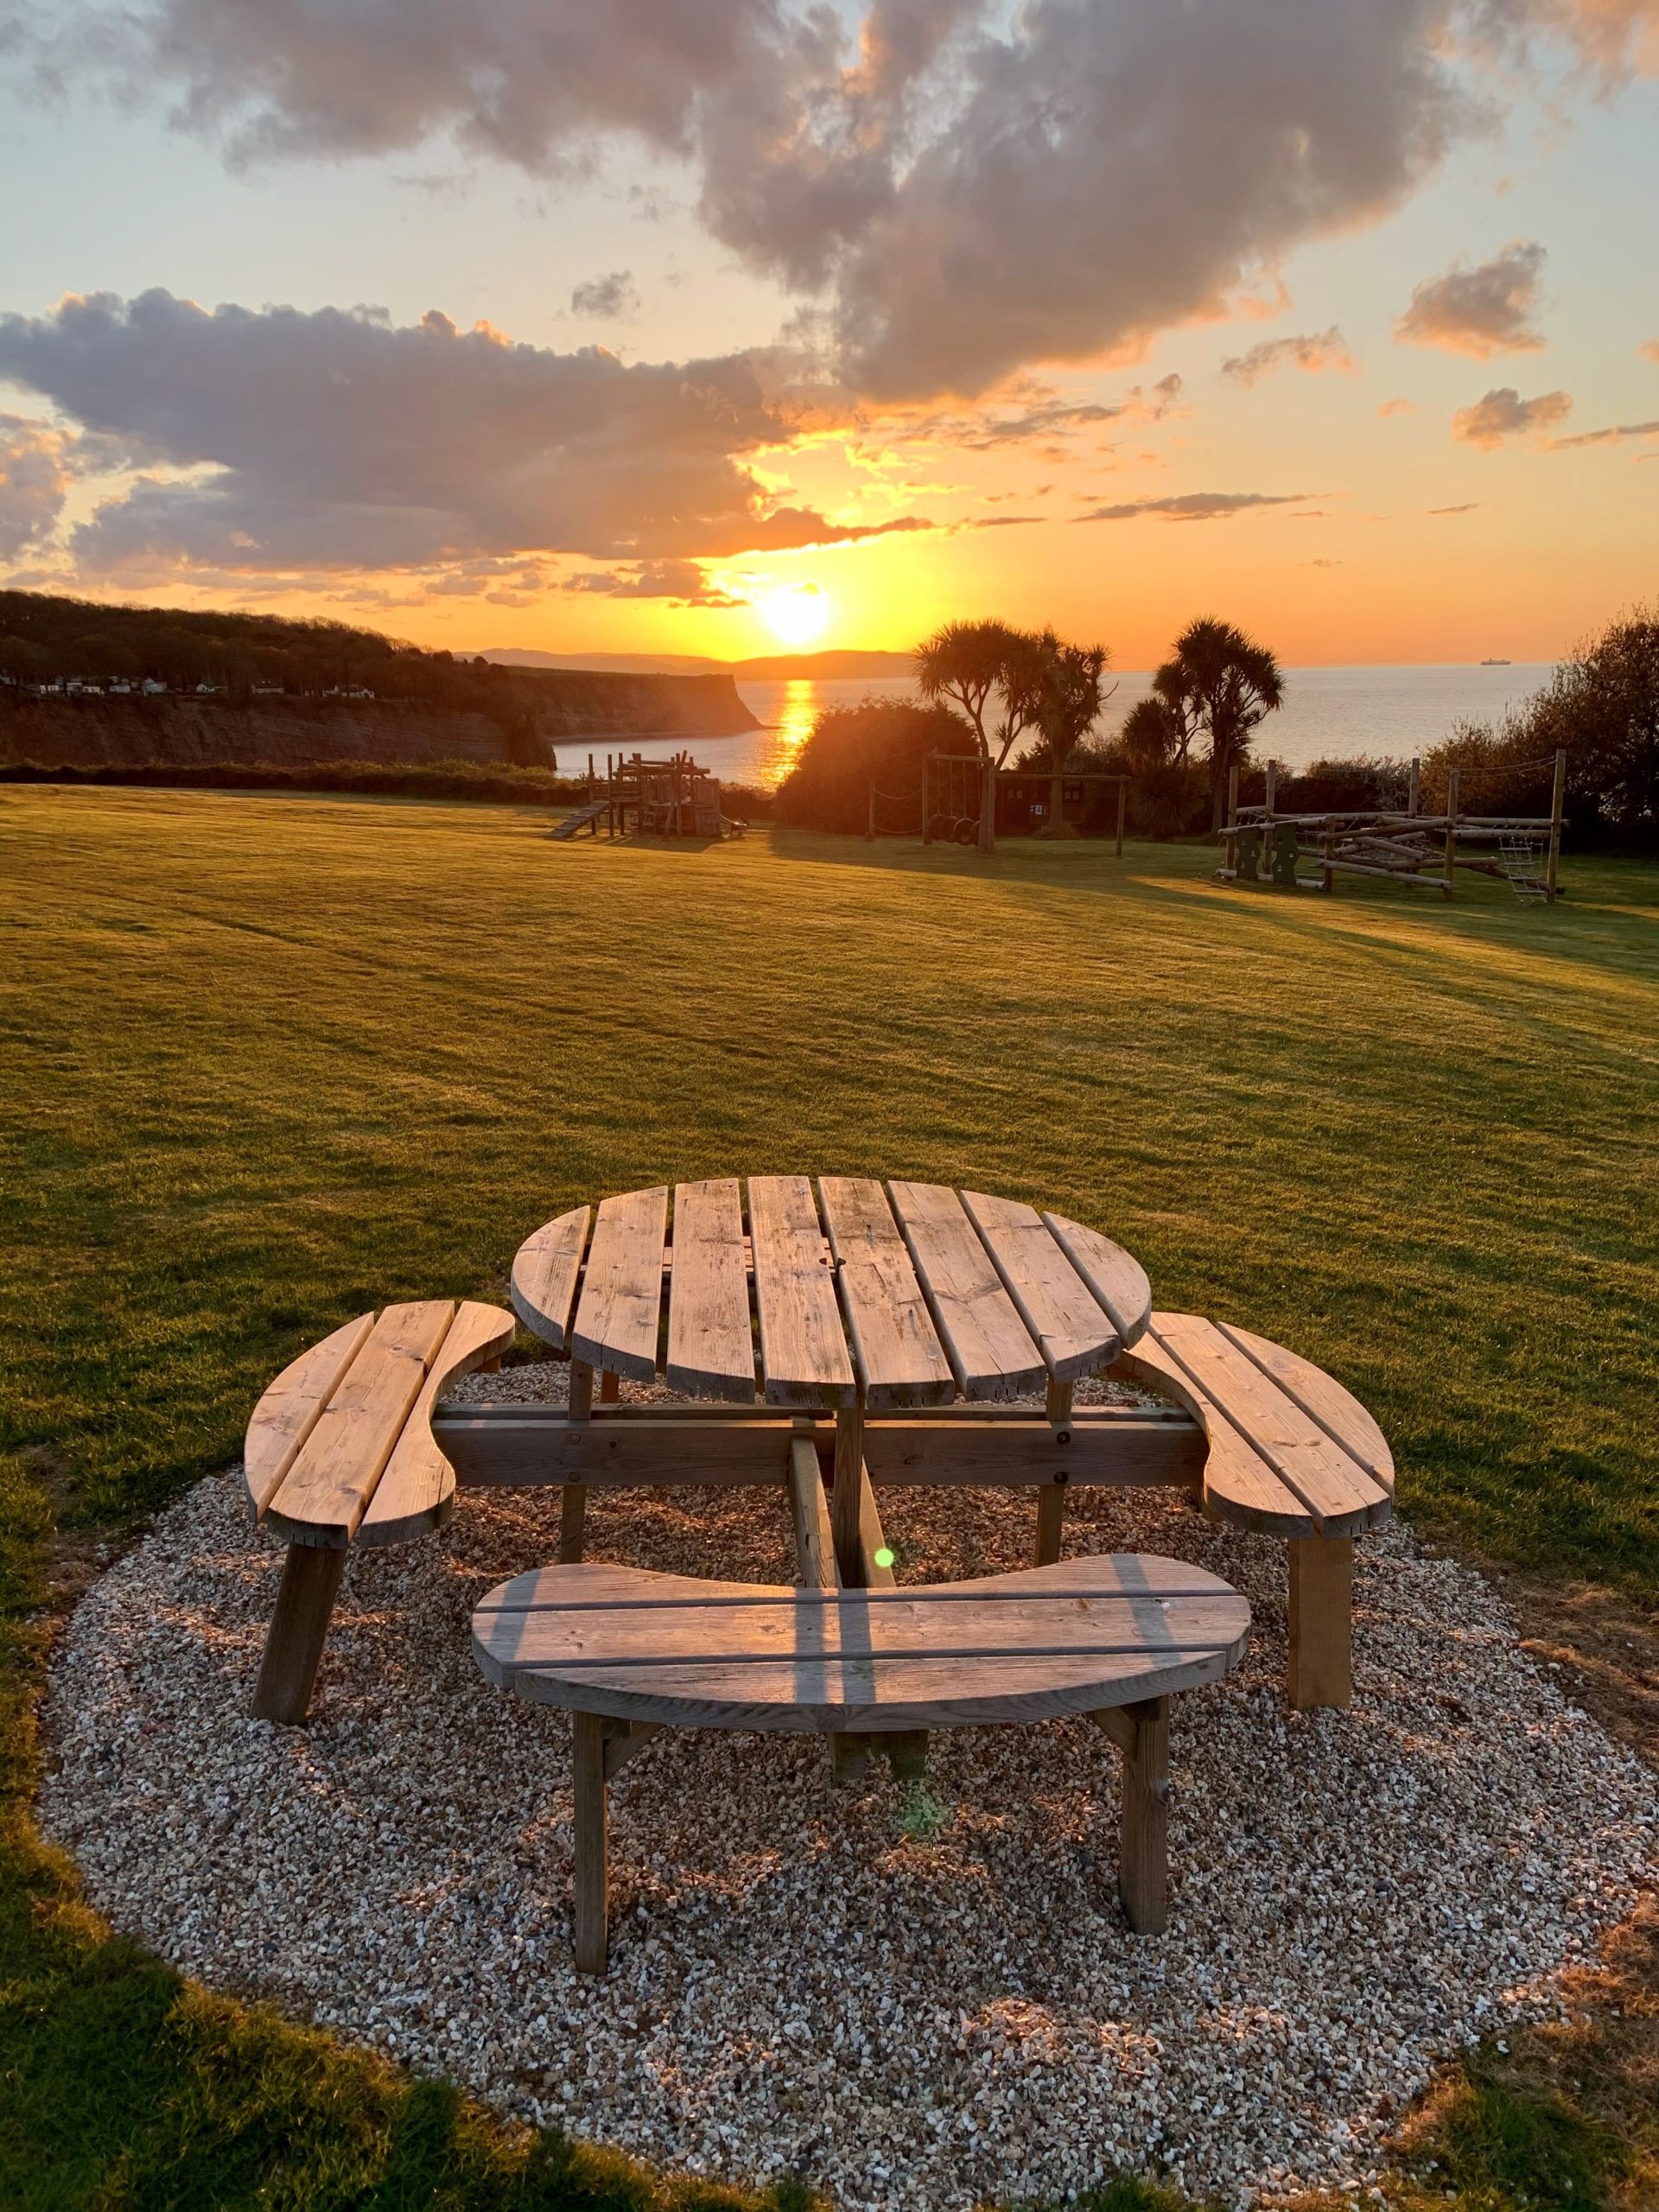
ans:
(629, 1652)
(340, 1451)
(1291, 1453)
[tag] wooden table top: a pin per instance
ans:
(1083, 1635)
(848, 1293)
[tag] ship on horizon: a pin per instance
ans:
(1497, 664)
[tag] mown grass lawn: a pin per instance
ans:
(269, 1061)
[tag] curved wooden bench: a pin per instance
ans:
(629, 1652)
(1292, 1454)
(340, 1451)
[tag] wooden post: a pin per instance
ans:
(1321, 1622)
(1557, 799)
(1122, 805)
(610, 1387)
(1414, 788)
(1141, 1733)
(1272, 779)
(592, 1869)
(1229, 851)
(847, 1498)
(1050, 1499)
(1451, 782)
(573, 1499)
(988, 805)
(1329, 844)
(299, 1628)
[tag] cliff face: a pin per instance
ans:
(578, 707)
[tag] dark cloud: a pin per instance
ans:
(332, 440)
(682, 582)
(1315, 351)
(609, 295)
(1504, 414)
(1617, 435)
(1482, 311)
(967, 187)
(1467, 508)
(1192, 507)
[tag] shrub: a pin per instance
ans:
(879, 742)
(1601, 708)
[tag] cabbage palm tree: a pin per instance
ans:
(1230, 684)
(970, 664)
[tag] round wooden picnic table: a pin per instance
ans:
(850, 1299)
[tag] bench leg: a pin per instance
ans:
(1321, 1622)
(573, 1517)
(592, 1869)
(305, 1602)
(1141, 1733)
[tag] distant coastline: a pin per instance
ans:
(830, 667)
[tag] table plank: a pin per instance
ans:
(622, 1290)
(710, 1342)
(546, 1272)
(896, 1348)
(803, 1353)
(1319, 1396)
(324, 1493)
(1071, 1328)
(989, 1348)
(1115, 1277)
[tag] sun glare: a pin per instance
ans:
(795, 613)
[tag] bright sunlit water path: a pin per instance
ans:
(1329, 713)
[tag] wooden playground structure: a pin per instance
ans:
(1397, 845)
(664, 799)
(1028, 801)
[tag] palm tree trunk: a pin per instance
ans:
(988, 805)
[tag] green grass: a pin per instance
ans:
(270, 1061)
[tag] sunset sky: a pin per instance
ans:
(700, 326)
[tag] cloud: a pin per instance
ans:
(35, 479)
(1192, 507)
(1317, 351)
(682, 582)
(1504, 414)
(1650, 350)
(334, 440)
(962, 187)
(1616, 436)
(610, 295)
(1482, 310)
(1398, 407)
(1467, 508)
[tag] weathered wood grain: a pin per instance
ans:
(415, 1492)
(1071, 1328)
(323, 1496)
(1115, 1277)
(621, 1300)
(896, 1348)
(991, 1352)
(291, 1406)
(545, 1273)
(710, 1339)
(803, 1353)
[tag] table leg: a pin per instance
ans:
(299, 1627)
(572, 1500)
(592, 1871)
(845, 1503)
(1051, 1500)
(1321, 1622)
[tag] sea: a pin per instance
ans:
(1329, 714)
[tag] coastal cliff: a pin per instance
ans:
(575, 708)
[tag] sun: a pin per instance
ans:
(795, 613)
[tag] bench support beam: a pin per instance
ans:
(1141, 1733)
(592, 1863)
(1050, 1502)
(573, 1499)
(1321, 1622)
(299, 1628)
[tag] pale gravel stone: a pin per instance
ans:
(804, 1979)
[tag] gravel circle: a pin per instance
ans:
(919, 1997)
